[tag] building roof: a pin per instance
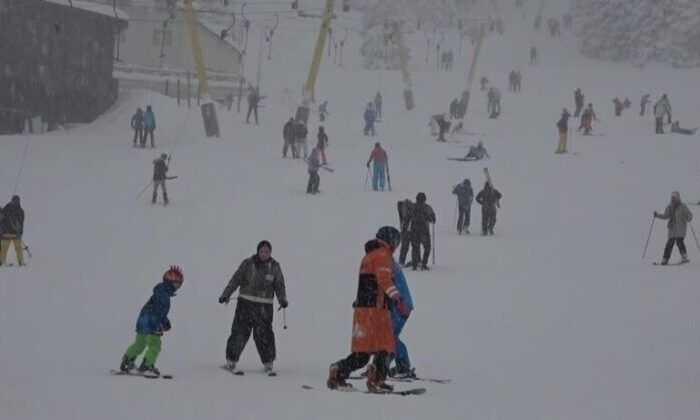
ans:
(92, 6)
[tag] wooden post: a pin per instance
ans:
(189, 91)
(178, 92)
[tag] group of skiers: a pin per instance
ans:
(11, 230)
(144, 126)
(447, 59)
(514, 80)
(489, 199)
(294, 135)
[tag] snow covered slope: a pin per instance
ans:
(556, 316)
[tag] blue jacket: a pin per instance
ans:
(153, 318)
(402, 287)
(149, 119)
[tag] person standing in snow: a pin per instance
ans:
(453, 108)
(443, 127)
(253, 102)
(423, 216)
(149, 125)
(260, 279)
(484, 81)
(372, 333)
(370, 117)
(619, 106)
(323, 111)
(643, 104)
(563, 126)
(300, 133)
(403, 368)
(381, 161)
(678, 216)
(587, 119)
(659, 118)
(496, 105)
(578, 101)
(533, 56)
(11, 230)
(288, 136)
(405, 208)
(315, 161)
(465, 196)
(665, 106)
(489, 198)
(160, 170)
(151, 324)
(137, 125)
(378, 105)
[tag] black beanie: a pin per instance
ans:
(262, 244)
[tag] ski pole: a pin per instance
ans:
(284, 316)
(696, 238)
(143, 190)
(366, 178)
(388, 176)
(455, 215)
(649, 237)
(433, 243)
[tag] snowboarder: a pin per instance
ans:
(12, 229)
(477, 152)
(300, 133)
(676, 128)
(370, 117)
(465, 196)
(288, 136)
(160, 170)
(381, 161)
(619, 106)
(489, 198)
(678, 216)
(323, 111)
(422, 215)
(315, 161)
(587, 119)
(405, 208)
(578, 101)
(643, 104)
(563, 126)
(149, 125)
(137, 125)
(151, 324)
(403, 368)
(533, 56)
(253, 101)
(378, 105)
(372, 330)
(260, 279)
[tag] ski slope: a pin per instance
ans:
(554, 317)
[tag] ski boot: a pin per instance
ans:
(684, 258)
(402, 374)
(230, 365)
(148, 371)
(335, 381)
(375, 383)
(664, 261)
(127, 364)
(269, 369)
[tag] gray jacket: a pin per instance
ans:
(677, 220)
(259, 282)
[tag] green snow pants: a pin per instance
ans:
(143, 341)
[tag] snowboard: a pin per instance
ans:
(116, 372)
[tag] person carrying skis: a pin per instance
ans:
(465, 196)
(678, 216)
(378, 105)
(381, 161)
(422, 216)
(260, 279)
(372, 333)
(643, 104)
(578, 101)
(489, 198)
(405, 208)
(300, 133)
(151, 324)
(370, 116)
(160, 170)
(619, 106)
(288, 136)
(11, 229)
(563, 126)
(149, 126)
(137, 125)
(587, 119)
(315, 161)
(402, 368)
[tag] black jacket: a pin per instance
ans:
(422, 215)
(160, 168)
(488, 198)
(13, 219)
(288, 131)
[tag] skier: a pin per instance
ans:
(151, 324)
(676, 128)
(260, 279)
(578, 101)
(533, 56)
(372, 330)
(370, 116)
(511, 81)
(490, 95)
(678, 216)
(381, 161)
(403, 368)
(666, 106)
(11, 229)
(453, 108)
(489, 198)
(465, 195)
(496, 105)
(405, 208)
(322, 137)
(477, 152)
(253, 101)
(323, 111)
(160, 169)
(659, 118)
(619, 106)
(149, 125)
(300, 133)
(422, 215)
(518, 80)
(288, 136)
(484, 81)
(315, 161)
(627, 103)
(137, 125)
(378, 105)
(563, 126)
(587, 119)
(643, 104)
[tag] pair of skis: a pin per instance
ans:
(138, 374)
(239, 372)
(404, 392)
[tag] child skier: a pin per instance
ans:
(403, 367)
(152, 322)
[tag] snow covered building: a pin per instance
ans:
(55, 61)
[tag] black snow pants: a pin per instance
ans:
(463, 220)
(418, 239)
(405, 243)
(488, 219)
(255, 317)
(314, 182)
(669, 247)
(357, 361)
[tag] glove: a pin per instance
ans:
(166, 325)
(283, 303)
(223, 299)
(656, 214)
(403, 309)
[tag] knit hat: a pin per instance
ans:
(676, 195)
(262, 244)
